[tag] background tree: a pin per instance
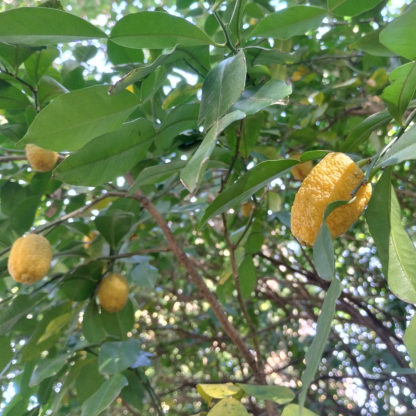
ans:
(183, 130)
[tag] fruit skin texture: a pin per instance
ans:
(113, 292)
(301, 171)
(332, 179)
(40, 159)
(30, 259)
(246, 209)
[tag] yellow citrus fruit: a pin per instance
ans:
(301, 171)
(113, 292)
(30, 258)
(40, 159)
(332, 179)
(246, 209)
(87, 239)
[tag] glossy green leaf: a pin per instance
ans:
(48, 367)
(108, 156)
(156, 174)
(371, 44)
(351, 7)
(11, 97)
(397, 96)
(192, 174)
(152, 84)
(6, 352)
(261, 96)
(120, 55)
(290, 22)
(49, 89)
(114, 226)
(314, 353)
(37, 64)
(38, 26)
(398, 35)
(247, 185)
(278, 394)
(84, 53)
(180, 94)
(118, 324)
(104, 396)
(141, 72)
(88, 381)
(80, 284)
(56, 326)
(323, 253)
(9, 55)
(92, 325)
(18, 309)
(222, 87)
(362, 131)
(228, 406)
(265, 56)
(395, 250)
(236, 21)
(247, 276)
(145, 275)
(157, 30)
(74, 119)
(115, 357)
(180, 119)
(295, 410)
(410, 340)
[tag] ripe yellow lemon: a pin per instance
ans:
(301, 171)
(30, 258)
(113, 292)
(40, 159)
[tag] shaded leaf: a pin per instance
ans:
(410, 340)
(278, 394)
(295, 410)
(180, 94)
(247, 276)
(371, 44)
(228, 406)
(48, 367)
(350, 7)
(115, 357)
(92, 324)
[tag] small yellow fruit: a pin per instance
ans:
(30, 258)
(40, 159)
(87, 239)
(332, 179)
(246, 209)
(113, 292)
(301, 171)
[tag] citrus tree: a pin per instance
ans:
(182, 188)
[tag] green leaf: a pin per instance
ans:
(395, 250)
(410, 340)
(264, 95)
(142, 72)
(399, 34)
(80, 284)
(351, 7)
(371, 44)
(236, 21)
(6, 352)
(360, 133)
(194, 170)
(74, 119)
(181, 118)
(92, 324)
(247, 185)
(120, 55)
(18, 309)
(84, 53)
(145, 275)
(115, 357)
(222, 87)
(265, 56)
(14, 57)
(157, 30)
(278, 394)
(295, 410)
(118, 324)
(39, 62)
(49, 88)
(397, 96)
(109, 156)
(38, 26)
(152, 83)
(216, 391)
(180, 94)
(290, 22)
(114, 226)
(401, 150)
(104, 396)
(47, 368)
(11, 97)
(247, 276)
(156, 174)
(323, 253)
(228, 406)
(314, 354)
(88, 381)
(55, 326)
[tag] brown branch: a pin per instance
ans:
(199, 282)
